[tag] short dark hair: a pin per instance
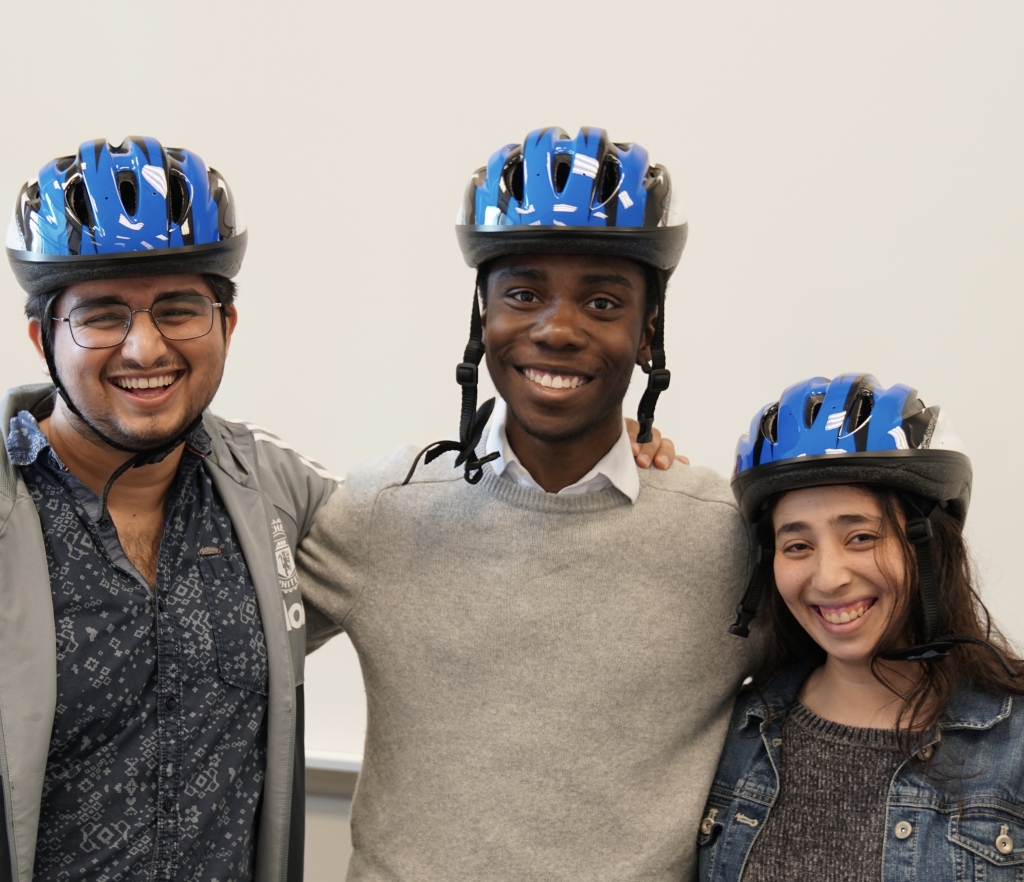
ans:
(40, 306)
(655, 282)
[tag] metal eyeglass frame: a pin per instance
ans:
(128, 327)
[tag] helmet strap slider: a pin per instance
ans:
(658, 377)
(747, 607)
(472, 424)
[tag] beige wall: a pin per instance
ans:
(852, 175)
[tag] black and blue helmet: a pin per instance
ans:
(580, 195)
(111, 212)
(851, 430)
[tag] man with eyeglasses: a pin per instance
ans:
(152, 635)
(151, 631)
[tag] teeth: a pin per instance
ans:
(144, 382)
(554, 381)
(845, 616)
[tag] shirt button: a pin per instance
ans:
(926, 753)
(160, 605)
(170, 702)
(168, 805)
(1004, 844)
(903, 829)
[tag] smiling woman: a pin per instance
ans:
(886, 693)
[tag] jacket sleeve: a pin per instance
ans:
(334, 560)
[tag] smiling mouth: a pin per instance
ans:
(841, 615)
(554, 381)
(136, 384)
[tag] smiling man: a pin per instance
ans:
(151, 633)
(544, 644)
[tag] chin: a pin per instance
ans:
(555, 431)
(145, 435)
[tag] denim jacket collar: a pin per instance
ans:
(967, 709)
(779, 693)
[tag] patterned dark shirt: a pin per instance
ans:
(158, 753)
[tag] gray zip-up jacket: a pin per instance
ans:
(272, 495)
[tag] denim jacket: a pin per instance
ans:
(966, 827)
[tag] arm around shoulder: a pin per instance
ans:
(335, 557)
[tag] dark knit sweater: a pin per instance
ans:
(828, 823)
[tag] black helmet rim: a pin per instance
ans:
(38, 273)
(661, 247)
(941, 475)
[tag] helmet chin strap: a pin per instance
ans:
(141, 457)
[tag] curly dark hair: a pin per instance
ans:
(961, 612)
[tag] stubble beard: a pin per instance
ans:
(101, 426)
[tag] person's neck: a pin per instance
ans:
(556, 465)
(92, 461)
(851, 695)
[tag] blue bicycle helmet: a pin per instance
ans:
(850, 430)
(553, 193)
(131, 210)
(579, 195)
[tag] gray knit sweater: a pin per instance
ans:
(549, 678)
(828, 823)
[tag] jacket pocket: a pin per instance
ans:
(236, 623)
(988, 843)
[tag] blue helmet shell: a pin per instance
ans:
(134, 209)
(850, 430)
(582, 195)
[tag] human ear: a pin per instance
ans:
(643, 355)
(230, 320)
(35, 334)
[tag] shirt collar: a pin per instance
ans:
(26, 441)
(616, 468)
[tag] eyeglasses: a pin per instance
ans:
(102, 326)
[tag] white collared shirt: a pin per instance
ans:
(616, 468)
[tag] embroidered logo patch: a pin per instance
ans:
(287, 577)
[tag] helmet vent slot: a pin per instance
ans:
(811, 408)
(607, 180)
(561, 165)
(860, 410)
(64, 163)
(513, 177)
(77, 201)
(177, 197)
(770, 424)
(128, 190)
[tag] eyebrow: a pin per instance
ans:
(520, 272)
(108, 299)
(841, 520)
(606, 279)
(536, 275)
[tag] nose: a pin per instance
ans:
(558, 326)
(830, 572)
(144, 344)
